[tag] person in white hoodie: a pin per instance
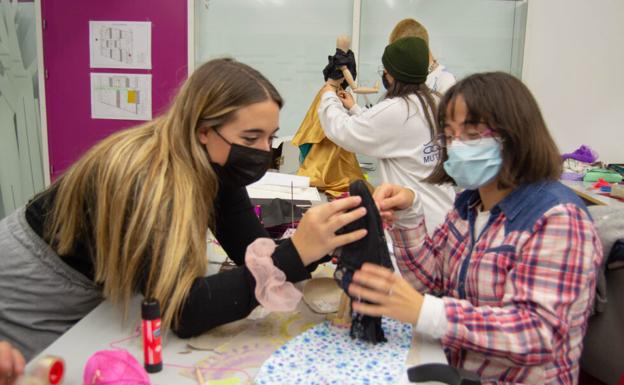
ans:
(439, 79)
(399, 130)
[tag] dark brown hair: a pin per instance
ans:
(398, 89)
(507, 106)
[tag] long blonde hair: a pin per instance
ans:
(144, 196)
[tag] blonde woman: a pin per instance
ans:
(439, 79)
(132, 214)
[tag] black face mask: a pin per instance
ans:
(384, 81)
(244, 165)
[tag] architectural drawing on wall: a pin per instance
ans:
(121, 96)
(118, 44)
(21, 160)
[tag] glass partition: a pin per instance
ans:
(21, 167)
(466, 36)
(288, 41)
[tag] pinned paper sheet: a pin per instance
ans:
(121, 96)
(120, 44)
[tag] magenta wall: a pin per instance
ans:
(71, 131)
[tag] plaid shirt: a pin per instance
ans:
(517, 298)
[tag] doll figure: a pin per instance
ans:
(342, 66)
(330, 168)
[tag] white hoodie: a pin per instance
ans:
(440, 79)
(401, 140)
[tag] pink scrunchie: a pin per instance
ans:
(272, 290)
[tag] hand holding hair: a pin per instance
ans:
(316, 234)
(390, 198)
(391, 295)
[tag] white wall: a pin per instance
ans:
(574, 65)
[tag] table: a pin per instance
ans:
(103, 329)
(585, 191)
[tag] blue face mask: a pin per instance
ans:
(472, 165)
(384, 81)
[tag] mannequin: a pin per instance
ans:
(330, 168)
(344, 62)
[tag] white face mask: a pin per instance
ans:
(474, 165)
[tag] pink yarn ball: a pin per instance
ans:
(114, 367)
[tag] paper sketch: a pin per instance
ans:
(121, 96)
(119, 44)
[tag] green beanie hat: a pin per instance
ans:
(407, 60)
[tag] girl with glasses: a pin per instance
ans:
(508, 280)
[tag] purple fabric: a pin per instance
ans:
(568, 175)
(583, 154)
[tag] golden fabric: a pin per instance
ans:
(329, 167)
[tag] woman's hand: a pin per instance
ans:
(11, 364)
(346, 98)
(316, 234)
(390, 294)
(390, 197)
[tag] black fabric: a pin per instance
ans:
(442, 373)
(214, 300)
(340, 58)
(603, 343)
(278, 211)
(372, 248)
(616, 256)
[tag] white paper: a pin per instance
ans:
(120, 44)
(283, 192)
(279, 179)
(121, 96)
(281, 139)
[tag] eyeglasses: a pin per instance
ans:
(470, 136)
(381, 70)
